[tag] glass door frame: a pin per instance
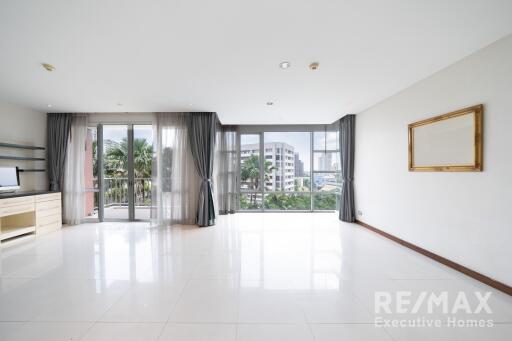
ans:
(130, 166)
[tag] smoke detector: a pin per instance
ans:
(285, 65)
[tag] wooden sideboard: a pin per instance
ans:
(25, 213)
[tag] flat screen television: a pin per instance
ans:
(9, 179)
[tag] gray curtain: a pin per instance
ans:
(201, 128)
(227, 169)
(58, 127)
(347, 142)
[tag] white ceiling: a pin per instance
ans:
(223, 55)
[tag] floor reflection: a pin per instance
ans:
(293, 268)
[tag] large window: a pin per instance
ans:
(326, 170)
(289, 171)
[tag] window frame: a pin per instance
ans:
(311, 129)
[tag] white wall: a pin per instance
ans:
(465, 217)
(24, 126)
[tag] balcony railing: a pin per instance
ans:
(116, 191)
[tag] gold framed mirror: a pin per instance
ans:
(447, 143)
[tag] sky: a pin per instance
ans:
(118, 132)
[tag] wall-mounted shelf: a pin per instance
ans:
(20, 146)
(21, 158)
(31, 170)
(35, 168)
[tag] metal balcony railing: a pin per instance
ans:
(116, 191)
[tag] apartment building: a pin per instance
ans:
(279, 163)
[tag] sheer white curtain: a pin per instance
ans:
(73, 193)
(175, 184)
(226, 169)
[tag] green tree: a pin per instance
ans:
(116, 162)
(250, 174)
(325, 201)
(116, 158)
(307, 183)
(290, 201)
(95, 157)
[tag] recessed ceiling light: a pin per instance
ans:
(270, 103)
(49, 105)
(313, 66)
(48, 67)
(285, 65)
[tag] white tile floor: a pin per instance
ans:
(251, 277)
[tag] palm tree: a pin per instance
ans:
(116, 161)
(116, 158)
(142, 162)
(250, 172)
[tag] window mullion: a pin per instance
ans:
(262, 171)
(311, 167)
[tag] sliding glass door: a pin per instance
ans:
(117, 184)
(124, 163)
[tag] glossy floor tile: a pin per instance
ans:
(48, 331)
(145, 302)
(352, 332)
(274, 332)
(295, 276)
(124, 331)
(199, 332)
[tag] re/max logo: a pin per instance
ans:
(402, 302)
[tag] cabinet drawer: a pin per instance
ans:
(47, 205)
(49, 220)
(49, 212)
(17, 209)
(48, 197)
(48, 228)
(16, 201)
